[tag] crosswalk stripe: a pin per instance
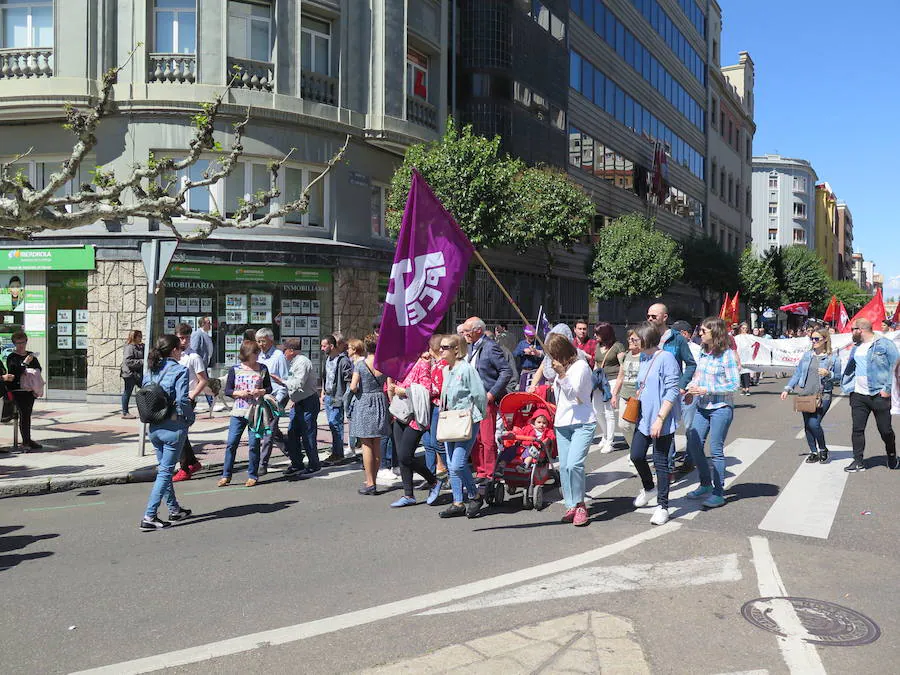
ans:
(809, 501)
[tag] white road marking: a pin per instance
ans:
(809, 502)
(592, 580)
(800, 656)
(836, 401)
(739, 455)
(361, 617)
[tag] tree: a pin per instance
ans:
(760, 287)
(632, 259)
(805, 278)
(149, 190)
(709, 269)
(850, 294)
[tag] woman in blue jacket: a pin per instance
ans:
(817, 373)
(167, 436)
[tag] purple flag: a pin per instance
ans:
(429, 265)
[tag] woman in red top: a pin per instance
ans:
(408, 434)
(435, 453)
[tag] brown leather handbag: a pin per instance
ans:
(632, 412)
(807, 404)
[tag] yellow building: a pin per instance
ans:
(826, 229)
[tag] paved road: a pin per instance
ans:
(329, 581)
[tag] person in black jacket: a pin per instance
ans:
(132, 369)
(16, 363)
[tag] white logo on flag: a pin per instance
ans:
(412, 303)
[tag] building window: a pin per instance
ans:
(175, 27)
(715, 117)
(38, 174)
(773, 209)
(26, 24)
(737, 195)
(749, 147)
(773, 235)
(722, 184)
(296, 180)
(748, 206)
(800, 183)
(315, 45)
(730, 190)
(800, 210)
(250, 30)
(416, 74)
(196, 199)
(715, 168)
(773, 180)
(376, 203)
(730, 133)
(799, 236)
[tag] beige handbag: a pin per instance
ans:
(454, 426)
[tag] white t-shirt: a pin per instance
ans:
(861, 356)
(195, 365)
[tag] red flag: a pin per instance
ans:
(831, 312)
(873, 311)
(896, 317)
(801, 308)
(735, 316)
(843, 321)
(726, 308)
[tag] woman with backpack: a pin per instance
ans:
(248, 382)
(165, 389)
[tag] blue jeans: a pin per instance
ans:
(462, 482)
(128, 384)
(302, 431)
(572, 443)
(387, 452)
(235, 430)
(167, 439)
(432, 447)
(812, 425)
(713, 424)
(662, 462)
(336, 424)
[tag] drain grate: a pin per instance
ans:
(825, 623)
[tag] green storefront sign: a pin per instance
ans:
(244, 273)
(34, 258)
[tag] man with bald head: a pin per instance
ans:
(488, 359)
(867, 378)
(675, 343)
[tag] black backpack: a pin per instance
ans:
(153, 403)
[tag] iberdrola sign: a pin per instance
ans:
(35, 258)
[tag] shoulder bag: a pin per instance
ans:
(809, 403)
(632, 412)
(453, 425)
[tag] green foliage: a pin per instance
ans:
(709, 268)
(850, 294)
(470, 177)
(805, 278)
(633, 260)
(760, 286)
(549, 209)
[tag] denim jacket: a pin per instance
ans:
(674, 343)
(173, 378)
(463, 389)
(882, 357)
(830, 362)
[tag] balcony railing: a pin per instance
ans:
(421, 112)
(173, 68)
(256, 75)
(317, 87)
(26, 63)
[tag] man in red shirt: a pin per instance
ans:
(589, 347)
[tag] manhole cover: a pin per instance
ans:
(824, 623)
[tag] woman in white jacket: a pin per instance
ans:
(574, 423)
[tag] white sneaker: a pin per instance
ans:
(660, 516)
(644, 498)
(218, 407)
(386, 476)
(606, 447)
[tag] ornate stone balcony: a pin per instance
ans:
(319, 88)
(421, 112)
(254, 75)
(26, 63)
(172, 68)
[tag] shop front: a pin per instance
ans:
(43, 291)
(293, 302)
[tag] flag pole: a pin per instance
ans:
(508, 296)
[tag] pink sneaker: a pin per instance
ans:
(195, 467)
(181, 475)
(581, 516)
(569, 516)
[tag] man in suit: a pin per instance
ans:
(488, 359)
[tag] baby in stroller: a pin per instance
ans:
(523, 451)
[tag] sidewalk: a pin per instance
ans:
(87, 446)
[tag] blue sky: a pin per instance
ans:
(827, 88)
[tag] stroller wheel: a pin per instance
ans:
(527, 501)
(511, 490)
(538, 497)
(498, 494)
(490, 491)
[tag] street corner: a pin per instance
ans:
(584, 642)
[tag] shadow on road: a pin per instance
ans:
(750, 490)
(25, 472)
(17, 542)
(239, 511)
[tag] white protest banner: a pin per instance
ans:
(782, 356)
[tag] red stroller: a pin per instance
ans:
(523, 461)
